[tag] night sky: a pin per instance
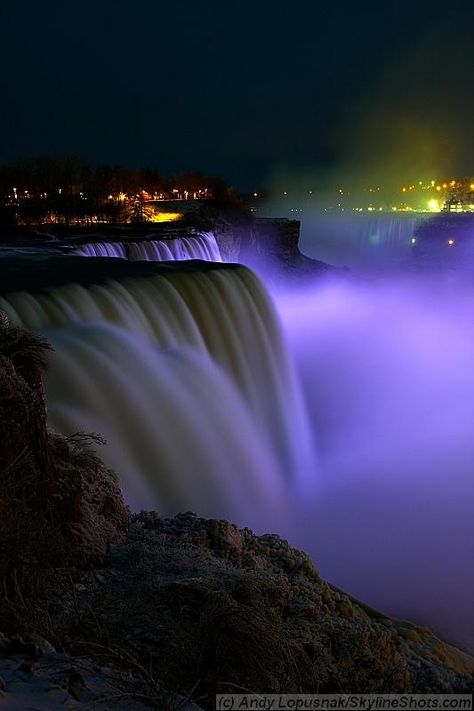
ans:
(248, 90)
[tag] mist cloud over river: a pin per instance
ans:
(387, 367)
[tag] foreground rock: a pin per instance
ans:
(184, 608)
(32, 678)
(208, 608)
(35, 676)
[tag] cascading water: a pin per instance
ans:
(102, 249)
(186, 375)
(366, 241)
(202, 246)
(199, 246)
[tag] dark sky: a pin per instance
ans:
(244, 89)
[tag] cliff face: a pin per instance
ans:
(270, 247)
(277, 238)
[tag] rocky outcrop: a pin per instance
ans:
(184, 608)
(269, 246)
(211, 606)
(58, 502)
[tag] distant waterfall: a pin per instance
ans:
(383, 231)
(186, 375)
(362, 240)
(200, 246)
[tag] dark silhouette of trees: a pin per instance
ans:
(51, 188)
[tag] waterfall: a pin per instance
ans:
(365, 241)
(200, 246)
(102, 249)
(187, 376)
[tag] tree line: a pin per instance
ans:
(71, 174)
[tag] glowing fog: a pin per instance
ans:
(388, 374)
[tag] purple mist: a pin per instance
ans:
(388, 375)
